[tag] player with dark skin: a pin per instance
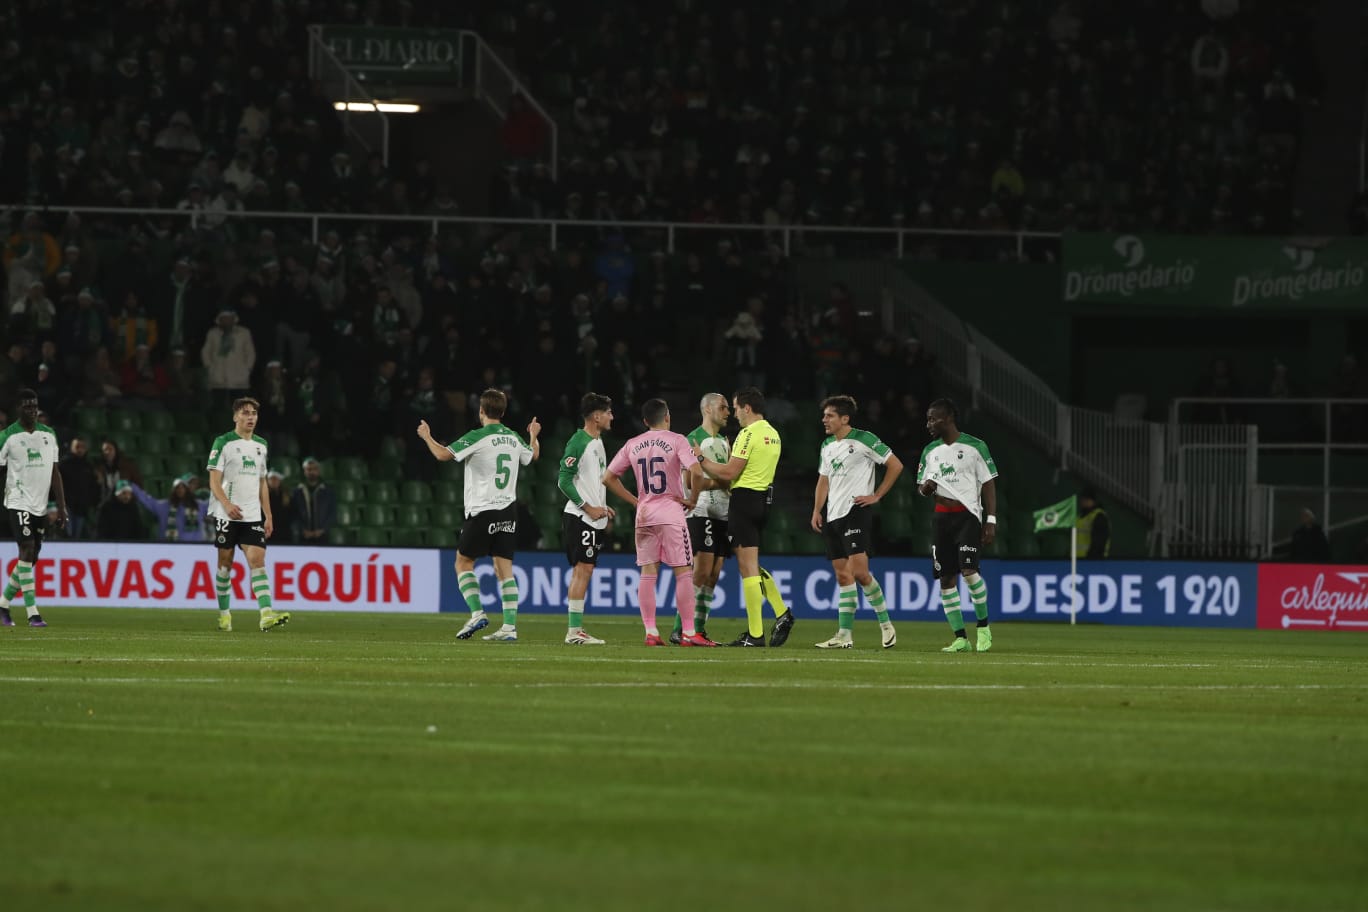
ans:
(28, 420)
(941, 423)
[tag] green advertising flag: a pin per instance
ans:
(1215, 272)
(1057, 516)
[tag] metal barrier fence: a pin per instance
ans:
(368, 129)
(1306, 439)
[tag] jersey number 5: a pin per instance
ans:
(501, 471)
(652, 476)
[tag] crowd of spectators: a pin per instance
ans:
(347, 344)
(1158, 114)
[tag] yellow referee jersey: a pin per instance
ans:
(759, 445)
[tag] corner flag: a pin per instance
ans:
(1057, 516)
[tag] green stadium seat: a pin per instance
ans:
(347, 492)
(441, 538)
(415, 492)
(347, 469)
(382, 492)
(91, 421)
(155, 442)
(373, 514)
(160, 423)
(386, 470)
(411, 516)
(391, 449)
(196, 423)
(348, 514)
(373, 536)
(125, 422)
(341, 535)
(447, 494)
(408, 538)
(194, 446)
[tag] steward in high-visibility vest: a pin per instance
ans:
(1094, 529)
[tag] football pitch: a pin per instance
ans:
(374, 762)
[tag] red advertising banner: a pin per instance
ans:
(1313, 597)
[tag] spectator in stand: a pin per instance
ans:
(144, 383)
(121, 519)
(1309, 544)
(103, 384)
(228, 356)
(33, 314)
(183, 386)
(180, 516)
(114, 467)
(278, 494)
(81, 484)
(314, 506)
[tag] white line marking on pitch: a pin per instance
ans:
(626, 685)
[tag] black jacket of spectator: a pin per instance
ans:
(314, 510)
(121, 521)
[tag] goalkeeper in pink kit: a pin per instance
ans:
(658, 458)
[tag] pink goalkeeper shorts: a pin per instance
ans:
(664, 544)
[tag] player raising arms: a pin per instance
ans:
(28, 459)
(586, 514)
(708, 520)
(658, 457)
(241, 510)
(492, 454)
(957, 469)
(843, 512)
(751, 473)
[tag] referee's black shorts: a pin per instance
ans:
(746, 519)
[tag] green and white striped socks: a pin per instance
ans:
(874, 592)
(470, 591)
(223, 589)
(261, 588)
(951, 600)
(508, 594)
(845, 609)
(22, 580)
(978, 594)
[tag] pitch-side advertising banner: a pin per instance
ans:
(1313, 597)
(182, 576)
(1178, 594)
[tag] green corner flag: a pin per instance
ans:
(1057, 516)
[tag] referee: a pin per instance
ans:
(754, 457)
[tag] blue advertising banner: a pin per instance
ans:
(1148, 593)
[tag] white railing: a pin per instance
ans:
(1124, 455)
(368, 129)
(791, 238)
(1200, 506)
(1210, 502)
(1291, 427)
(496, 83)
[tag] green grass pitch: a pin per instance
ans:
(373, 762)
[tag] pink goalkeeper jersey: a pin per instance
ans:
(658, 458)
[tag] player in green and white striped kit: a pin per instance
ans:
(241, 511)
(586, 514)
(28, 460)
(842, 511)
(492, 454)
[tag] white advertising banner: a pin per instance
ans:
(182, 576)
